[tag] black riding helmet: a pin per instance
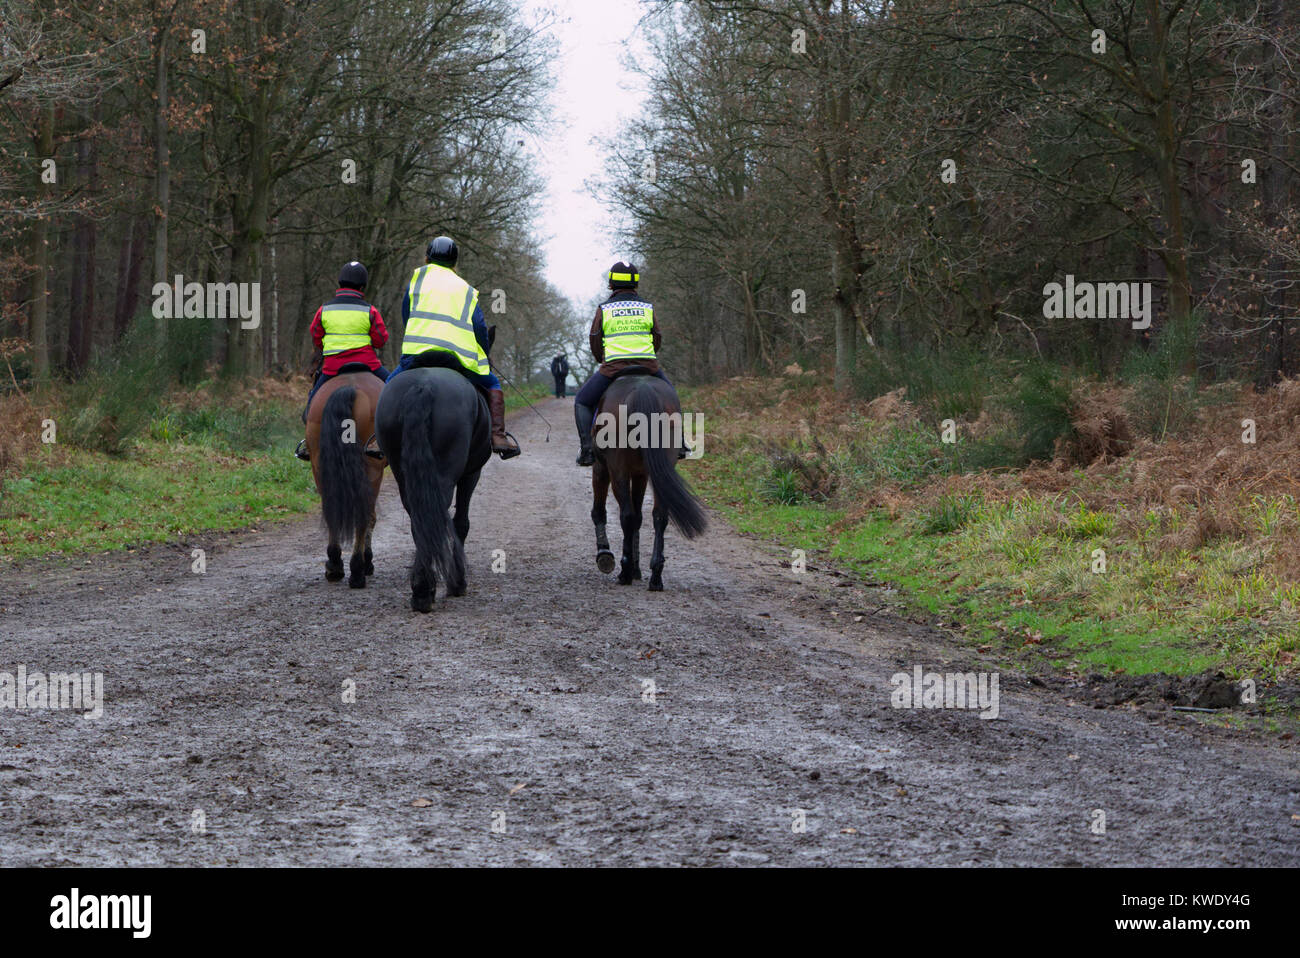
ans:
(353, 276)
(623, 276)
(442, 251)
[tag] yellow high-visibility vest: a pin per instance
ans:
(442, 317)
(347, 326)
(626, 325)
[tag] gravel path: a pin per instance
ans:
(514, 726)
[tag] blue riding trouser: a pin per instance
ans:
(487, 380)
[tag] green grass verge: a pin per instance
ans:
(1018, 577)
(213, 469)
(518, 396)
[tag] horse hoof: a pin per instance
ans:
(357, 581)
(656, 584)
(624, 579)
(370, 568)
(605, 562)
(456, 591)
(333, 575)
(422, 603)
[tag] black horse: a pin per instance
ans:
(628, 466)
(432, 424)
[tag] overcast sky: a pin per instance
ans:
(593, 95)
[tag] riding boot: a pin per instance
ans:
(582, 417)
(502, 445)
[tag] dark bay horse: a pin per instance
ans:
(628, 465)
(433, 426)
(339, 421)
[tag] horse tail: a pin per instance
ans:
(344, 489)
(431, 528)
(661, 463)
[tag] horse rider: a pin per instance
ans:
(560, 370)
(345, 330)
(623, 333)
(442, 313)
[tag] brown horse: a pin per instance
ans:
(627, 459)
(340, 420)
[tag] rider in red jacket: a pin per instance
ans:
(334, 329)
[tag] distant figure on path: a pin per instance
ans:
(560, 370)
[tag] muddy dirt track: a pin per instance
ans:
(521, 707)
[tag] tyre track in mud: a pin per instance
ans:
(520, 706)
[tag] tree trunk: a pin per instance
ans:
(275, 311)
(1274, 190)
(41, 257)
(130, 263)
(1174, 251)
(81, 306)
(162, 164)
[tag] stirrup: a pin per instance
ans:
(372, 448)
(511, 452)
(301, 452)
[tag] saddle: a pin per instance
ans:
(441, 358)
(631, 371)
(354, 368)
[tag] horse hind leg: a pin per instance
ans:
(460, 515)
(357, 565)
(458, 580)
(369, 554)
(333, 561)
(599, 493)
(630, 516)
(660, 517)
(423, 585)
(457, 584)
(363, 560)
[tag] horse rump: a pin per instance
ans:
(344, 486)
(426, 503)
(425, 433)
(647, 402)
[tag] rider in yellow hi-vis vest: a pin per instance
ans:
(442, 313)
(623, 333)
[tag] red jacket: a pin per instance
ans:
(362, 354)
